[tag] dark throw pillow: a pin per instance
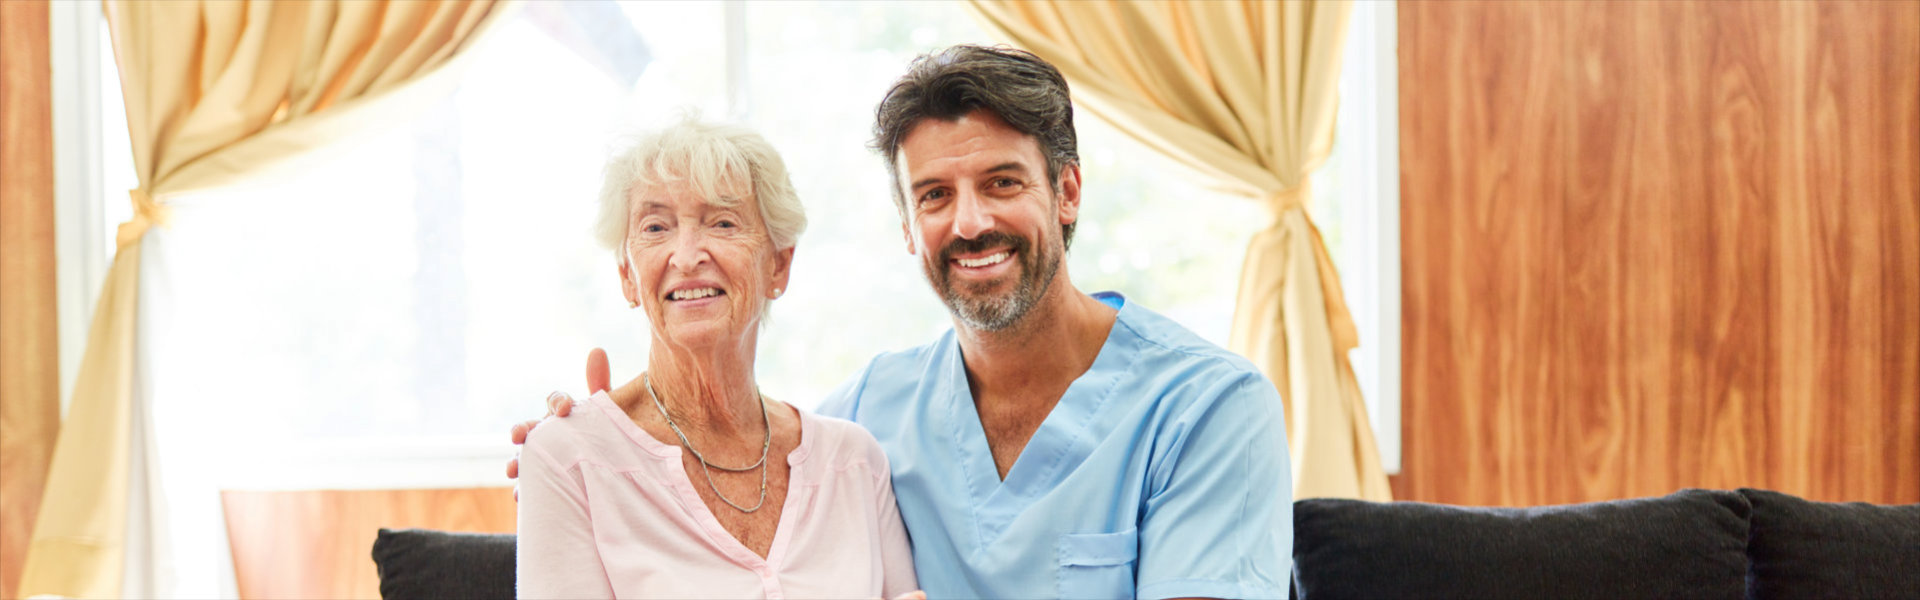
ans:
(1691, 544)
(422, 563)
(1805, 549)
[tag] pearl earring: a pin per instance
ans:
(776, 292)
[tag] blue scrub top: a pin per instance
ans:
(1161, 473)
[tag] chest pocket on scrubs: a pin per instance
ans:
(1098, 565)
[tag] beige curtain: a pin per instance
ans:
(1244, 93)
(216, 91)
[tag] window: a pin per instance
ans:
(1356, 204)
(379, 319)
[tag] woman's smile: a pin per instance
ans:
(695, 293)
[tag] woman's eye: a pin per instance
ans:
(653, 228)
(725, 224)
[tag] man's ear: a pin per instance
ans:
(628, 287)
(906, 232)
(1070, 194)
(782, 270)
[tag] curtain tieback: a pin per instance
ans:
(1340, 325)
(146, 214)
(1289, 199)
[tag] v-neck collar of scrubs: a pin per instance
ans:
(1062, 441)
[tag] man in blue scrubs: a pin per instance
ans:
(1053, 443)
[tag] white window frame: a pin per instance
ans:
(1383, 226)
(1367, 216)
(79, 200)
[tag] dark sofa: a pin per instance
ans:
(1690, 544)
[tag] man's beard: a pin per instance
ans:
(976, 304)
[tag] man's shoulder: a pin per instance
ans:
(909, 362)
(1176, 378)
(887, 377)
(1166, 344)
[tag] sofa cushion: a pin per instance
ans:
(422, 563)
(1805, 549)
(1691, 544)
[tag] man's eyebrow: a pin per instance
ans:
(1014, 165)
(1008, 166)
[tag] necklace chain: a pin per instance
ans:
(706, 468)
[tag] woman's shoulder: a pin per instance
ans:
(843, 443)
(586, 431)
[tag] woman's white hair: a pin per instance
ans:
(710, 159)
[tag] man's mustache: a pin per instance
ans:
(989, 240)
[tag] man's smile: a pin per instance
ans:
(990, 259)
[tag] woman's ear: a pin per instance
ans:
(782, 271)
(628, 287)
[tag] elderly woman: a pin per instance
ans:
(687, 481)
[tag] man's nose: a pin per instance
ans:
(689, 250)
(970, 215)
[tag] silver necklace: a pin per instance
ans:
(706, 468)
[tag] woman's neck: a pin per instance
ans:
(713, 393)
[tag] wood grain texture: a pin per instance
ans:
(29, 354)
(1492, 170)
(1655, 245)
(319, 544)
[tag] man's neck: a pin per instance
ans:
(1048, 348)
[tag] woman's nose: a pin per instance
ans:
(970, 217)
(689, 250)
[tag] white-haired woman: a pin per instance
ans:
(687, 481)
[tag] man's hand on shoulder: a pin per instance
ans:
(559, 404)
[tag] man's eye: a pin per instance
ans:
(933, 195)
(1004, 182)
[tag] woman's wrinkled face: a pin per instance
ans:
(702, 271)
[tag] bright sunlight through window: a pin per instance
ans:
(424, 287)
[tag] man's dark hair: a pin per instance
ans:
(1026, 92)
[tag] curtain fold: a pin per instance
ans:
(215, 92)
(1243, 93)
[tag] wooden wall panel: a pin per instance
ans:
(1847, 261)
(1655, 245)
(1665, 316)
(1495, 172)
(29, 357)
(319, 544)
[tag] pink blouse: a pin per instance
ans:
(607, 511)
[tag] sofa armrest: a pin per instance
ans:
(423, 563)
